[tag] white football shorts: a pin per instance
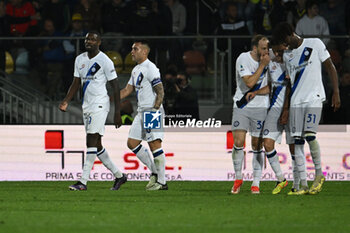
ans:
(305, 118)
(138, 132)
(94, 122)
(250, 120)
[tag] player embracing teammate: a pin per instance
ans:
(294, 82)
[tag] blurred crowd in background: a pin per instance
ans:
(50, 61)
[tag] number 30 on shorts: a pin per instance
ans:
(259, 124)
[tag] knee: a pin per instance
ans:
(239, 142)
(257, 144)
(131, 144)
(269, 145)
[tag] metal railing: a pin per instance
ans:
(215, 88)
(21, 104)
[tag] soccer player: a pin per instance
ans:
(145, 80)
(272, 129)
(304, 59)
(251, 75)
(92, 70)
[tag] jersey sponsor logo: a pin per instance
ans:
(303, 62)
(152, 120)
(241, 68)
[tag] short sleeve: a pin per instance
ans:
(109, 70)
(76, 70)
(131, 81)
(322, 51)
(242, 67)
(154, 76)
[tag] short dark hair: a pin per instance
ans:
(143, 41)
(310, 3)
(96, 33)
(281, 32)
(255, 40)
(184, 73)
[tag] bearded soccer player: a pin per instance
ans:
(145, 80)
(251, 75)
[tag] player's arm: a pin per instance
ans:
(332, 73)
(262, 91)
(285, 109)
(116, 94)
(126, 91)
(251, 80)
(74, 87)
(159, 90)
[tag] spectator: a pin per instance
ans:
(334, 13)
(178, 12)
(91, 13)
(53, 56)
(233, 25)
(295, 11)
(169, 80)
(312, 23)
(186, 100)
(268, 13)
(21, 16)
(114, 15)
(71, 50)
(203, 20)
(59, 12)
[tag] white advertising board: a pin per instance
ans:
(56, 152)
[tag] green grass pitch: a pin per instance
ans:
(186, 207)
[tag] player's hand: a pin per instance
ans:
(336, 101)
(250, 96)
(265, 59)
(117, 120)
(63, 106)
(284, 117)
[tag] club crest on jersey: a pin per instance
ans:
(236, 123)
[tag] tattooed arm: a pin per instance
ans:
(159, 90)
